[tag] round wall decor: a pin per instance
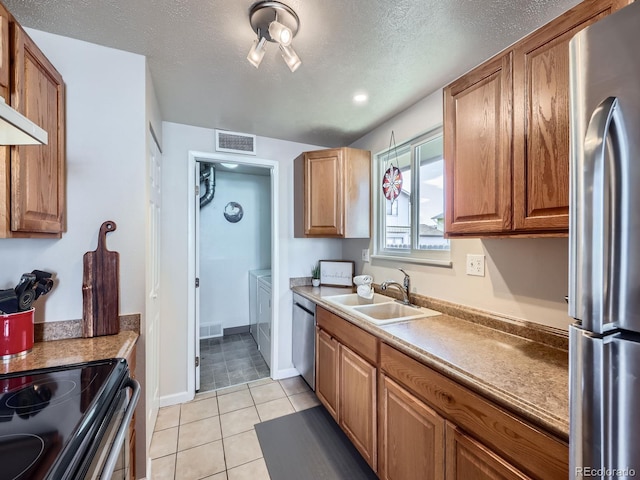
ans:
(392, 183)
(233, 212)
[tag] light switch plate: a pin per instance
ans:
(365, 254)
(475, 265)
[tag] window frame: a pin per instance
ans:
(438, 257)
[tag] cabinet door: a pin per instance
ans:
(467, 459)
(358, 403)
(327, 360)
(4, 54)
(477, 149)
(541, 119)
(37, 171)
(412, 436)
(324, 193)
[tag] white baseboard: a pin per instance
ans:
(285, 373)
(175, 399)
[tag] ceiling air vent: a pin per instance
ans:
(234, 142)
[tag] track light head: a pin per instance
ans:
(280, 33)
(290, 57)
(256, 54)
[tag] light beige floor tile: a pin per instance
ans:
(217, 476)
(199, 462)
(163, 468)
(235, 388)
(241, 448)
(192, 411)
(238, 421)
(235, 401)
(164, 442)
(266, 393)
(256, 470)
(168, 417)
(302, 401)
(274, 409)
(205, 395)
(294, 385)
(262, 381)
(199, 432)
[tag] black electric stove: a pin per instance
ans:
(51, 420)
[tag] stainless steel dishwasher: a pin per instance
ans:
(304, 338)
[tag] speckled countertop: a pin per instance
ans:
(73, 350)
(525, 376)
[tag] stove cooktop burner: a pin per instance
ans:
(24, 450)
(30, 399)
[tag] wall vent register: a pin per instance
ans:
(234, 142)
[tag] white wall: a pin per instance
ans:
(525, 278)
(296, 254)
(229, 250)
(105, 125)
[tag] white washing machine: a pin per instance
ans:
(254, 276)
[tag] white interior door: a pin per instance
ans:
(152, 307)
(197, 271)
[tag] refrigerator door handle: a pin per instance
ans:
(595, 225)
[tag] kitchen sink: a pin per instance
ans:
(381, 309)
(393, 312)
(353, 299)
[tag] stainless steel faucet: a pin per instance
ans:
(405, 288)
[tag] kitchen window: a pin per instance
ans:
(412, 227)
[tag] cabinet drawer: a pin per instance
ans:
(536, 452)
(353, 337)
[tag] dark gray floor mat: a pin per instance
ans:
(310, 445)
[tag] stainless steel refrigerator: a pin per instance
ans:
(604, 238)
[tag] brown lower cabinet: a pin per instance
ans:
(410, 422)
(346, 380)
(481, 439)
(358, 403)
(411, 436)
(327, 362)
(419, 444)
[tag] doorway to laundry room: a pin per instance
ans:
(233, 254)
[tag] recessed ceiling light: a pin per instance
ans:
(229, 165)
(360, 98)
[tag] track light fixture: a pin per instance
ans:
(274, 22)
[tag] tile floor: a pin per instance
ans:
(213, 437)
(230, 360)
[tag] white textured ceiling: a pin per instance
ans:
(395, 51)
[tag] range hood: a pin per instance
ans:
(16, 129)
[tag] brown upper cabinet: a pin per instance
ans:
(332, 193)
(506, 135)
(32, 177)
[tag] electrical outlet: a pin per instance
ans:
(365, 254)
(475, 265)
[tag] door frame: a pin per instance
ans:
(193, 235)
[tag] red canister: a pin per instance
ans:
(16, 335)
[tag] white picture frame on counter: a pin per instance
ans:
(336, 273)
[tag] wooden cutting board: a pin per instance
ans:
(100, 283)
